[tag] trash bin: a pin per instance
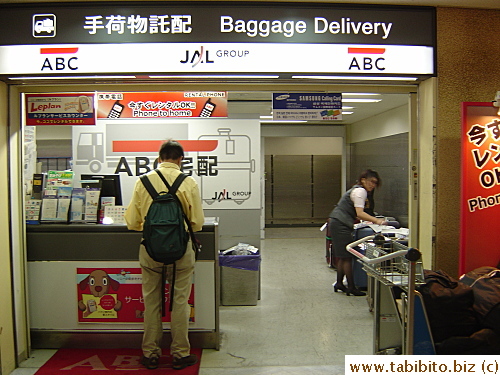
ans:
(239, 279)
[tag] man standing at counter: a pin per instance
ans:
(170, 155)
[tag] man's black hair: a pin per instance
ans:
(171, 150)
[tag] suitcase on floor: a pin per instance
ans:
(360, 276)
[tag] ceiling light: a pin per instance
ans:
(284, 122)
(344, 107)
(358, 78)
(347, 112)
(218, 76)
(360, 94)
(361, 100)
(72, 77)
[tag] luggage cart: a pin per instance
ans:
(395, 271)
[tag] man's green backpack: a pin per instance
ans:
(164, 234)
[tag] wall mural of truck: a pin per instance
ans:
(221, 154)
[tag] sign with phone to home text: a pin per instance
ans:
(480, 183)
(151, 105)
(60, 109)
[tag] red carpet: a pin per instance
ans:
(109, 361)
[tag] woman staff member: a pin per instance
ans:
(349, 208)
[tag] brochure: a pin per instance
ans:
(56, 179)
(105, 201)
(91, 204)
(49, 205)
(33, 211)
(63, 202)
(77, 204)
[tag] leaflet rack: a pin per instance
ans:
(394, 271)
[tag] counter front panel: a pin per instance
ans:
(56, 252)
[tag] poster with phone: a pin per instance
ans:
(60, 109)
(151, 105)
(480, 183)
(115, 295)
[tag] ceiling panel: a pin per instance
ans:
(258, 102)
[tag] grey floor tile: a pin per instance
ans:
(275, 370)
(38, 357)
(299, 320)
(24, 371)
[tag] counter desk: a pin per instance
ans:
(60, 260)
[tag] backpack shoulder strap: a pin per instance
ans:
(178, 181)
(149, 186)
(172, 190)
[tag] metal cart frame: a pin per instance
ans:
(394, 271)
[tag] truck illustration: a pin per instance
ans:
(98, 149)
(46, 25)
(235, 167)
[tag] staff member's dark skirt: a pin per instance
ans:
(341, 236)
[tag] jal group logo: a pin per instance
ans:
(196, 57)
(44, 25)
(204, 56)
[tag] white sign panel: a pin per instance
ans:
(216, 58)
(228, 173)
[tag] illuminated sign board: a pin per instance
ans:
(480, 183)
(83, 39)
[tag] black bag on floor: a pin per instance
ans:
(485, 341)
(470, 277)
(449, 306)
(485, 283)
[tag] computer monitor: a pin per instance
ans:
(109, 184)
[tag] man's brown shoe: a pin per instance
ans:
(150, 363)
(180, 363)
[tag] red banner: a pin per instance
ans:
(152, 105)
(480, 182)
(114, 295)
(60, 109)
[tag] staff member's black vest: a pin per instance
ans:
(345, 211)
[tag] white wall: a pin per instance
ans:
(7, 347)
(302, 130)
(53, 132)
(17, 220)
(426, 170)
(395, 121)
(304, 146)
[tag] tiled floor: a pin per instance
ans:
(300, 326)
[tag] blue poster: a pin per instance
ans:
(307, 106)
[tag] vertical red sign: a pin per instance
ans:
(480, 183)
